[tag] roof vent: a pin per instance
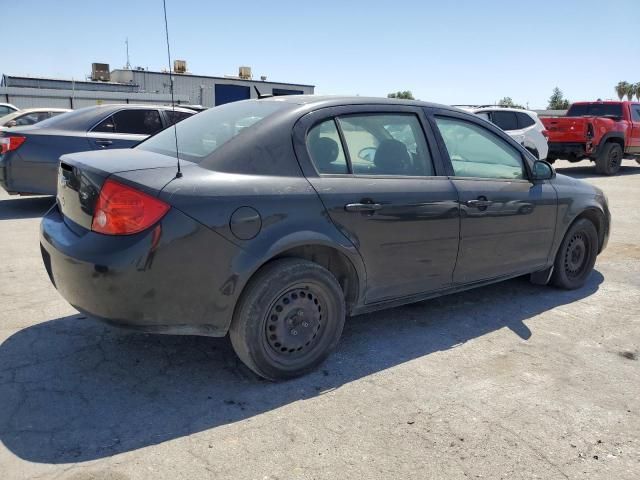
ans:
(100, 72)
(245, 73)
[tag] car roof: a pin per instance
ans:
(87, 117)
(501, 109)
(337, 100)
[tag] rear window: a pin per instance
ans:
(595, 110)
(200, 135)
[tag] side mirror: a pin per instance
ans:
(10, 124)
(543, 170)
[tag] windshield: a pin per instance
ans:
(200, 135)
(595, 110)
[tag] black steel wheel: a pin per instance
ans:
(576, 256)
(289, 319)
(610, 159)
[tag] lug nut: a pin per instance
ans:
(294, 332)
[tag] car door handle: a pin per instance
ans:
(362, 207)
(103, 143)
(478, 203)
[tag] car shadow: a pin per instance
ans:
(588, 170)
(25, 207)
(73, 389)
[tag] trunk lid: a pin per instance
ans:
(81, 176)
(567, 129)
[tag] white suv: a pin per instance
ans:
(523, 126)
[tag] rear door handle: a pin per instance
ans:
(478, 203)
(362, 207)
(104, 143)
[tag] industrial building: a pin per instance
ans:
(140, 86)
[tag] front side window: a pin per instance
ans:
(325, 148)
(386, 144)
(134, 122)
(505, 120)
(477, 152)
(635, 112)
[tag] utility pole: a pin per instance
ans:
(128, 65)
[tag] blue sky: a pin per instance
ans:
(446, 51)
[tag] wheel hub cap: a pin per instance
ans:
(576, 254)
(294, 321)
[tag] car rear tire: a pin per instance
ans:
(289, 319)
(610, 159)
(576, 256)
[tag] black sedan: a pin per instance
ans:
(29, 155)
(289, 214)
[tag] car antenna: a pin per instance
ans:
(262, 95)
(173, 103)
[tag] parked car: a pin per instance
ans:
(29, 155)
(7, 108)
(318, 208)
(29, 116)
(523, 126)
(603, 132)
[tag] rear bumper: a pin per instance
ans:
(173, 278)
(563, 150)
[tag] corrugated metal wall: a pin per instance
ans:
(199, 90)
(150, 87)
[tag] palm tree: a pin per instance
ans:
(621, 89)
(638, 91)
(631, 91)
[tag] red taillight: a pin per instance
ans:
(545, 134)
(123, 210)
(7, 144)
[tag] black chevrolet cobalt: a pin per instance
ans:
(288, 214)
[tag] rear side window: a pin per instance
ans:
(386, 144)
(477, 152)
(137, 122)
(505, 120)
(175, 116)
(325, 148)
(524, 120)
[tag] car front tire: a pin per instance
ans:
(289, 319)
(577, 256)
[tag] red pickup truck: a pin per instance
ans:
(604, 132)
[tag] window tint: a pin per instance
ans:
(383, 144)
(635, 113)
(139, 122)
(325, 148)
(476, 152)
(505, 120)
(524, 120)
(175, 117)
